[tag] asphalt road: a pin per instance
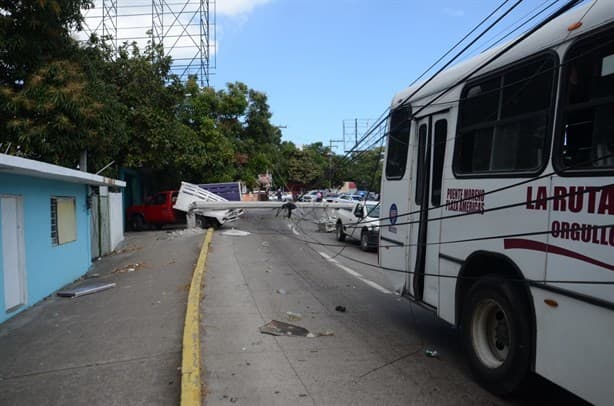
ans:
(373, 353)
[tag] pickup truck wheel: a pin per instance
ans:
(137, 223)
(497, 335)
(364, 240)
(340, 233)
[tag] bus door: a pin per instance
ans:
(429, 151)
(394, 204)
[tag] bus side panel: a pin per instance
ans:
(575, 346)
(581, 242)
(395, 228)
(447, 302)
(484, 225)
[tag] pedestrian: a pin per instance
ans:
(279, 194)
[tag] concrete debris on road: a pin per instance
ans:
(85, 289)
(431, 353)
(279, 328)
(293, 316)
(128, 268)
(236, 233)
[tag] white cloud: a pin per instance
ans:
(453, 12)
(233, 8)
(181, 28)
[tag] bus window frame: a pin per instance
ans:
(402, 173)
(548, 136)
(557, 149)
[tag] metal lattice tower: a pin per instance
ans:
(185, 28)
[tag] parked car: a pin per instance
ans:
(360, 223)
(312, 196)
(331, 197)
(346, 197)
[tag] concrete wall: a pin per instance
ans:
(116, 219)
(47, 267)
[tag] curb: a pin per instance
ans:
(190, 363)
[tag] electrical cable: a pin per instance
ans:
(554, 15)
(458, 43)
(315, 241)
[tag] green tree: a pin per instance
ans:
(33, 33)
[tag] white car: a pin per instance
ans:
(346, 197)
(359, 223)
(311, 196)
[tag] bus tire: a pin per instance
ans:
(497, 335)
(340, 232)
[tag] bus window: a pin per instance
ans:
(504, 120)
(439, 150)
(586, 136)
(420, 162)
(398, 142)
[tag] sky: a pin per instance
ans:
(325, 62)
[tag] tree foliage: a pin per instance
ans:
(59, 99)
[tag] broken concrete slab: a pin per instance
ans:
(86, 289)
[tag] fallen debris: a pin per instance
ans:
(340, 309)
(128, 268)
(85, 289)
(431, 353)
(281, 291)
(279, 328)
(236, 233)
(294, 316)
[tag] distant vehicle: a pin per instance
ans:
(285, 196)
(156, 211)
(344, 198)
(230, 191)
(170, 207)
(312, 196)
(360, 223)
(331, 197)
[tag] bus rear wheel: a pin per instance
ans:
(497, 335)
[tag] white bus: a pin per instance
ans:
(498, 205)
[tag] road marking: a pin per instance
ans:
(191, 394)
(291, 227)
(354, 273)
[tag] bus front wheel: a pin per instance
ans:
(497, 335)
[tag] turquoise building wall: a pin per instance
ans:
(47, 267)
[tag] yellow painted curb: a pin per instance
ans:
(190, 363)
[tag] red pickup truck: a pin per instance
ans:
(157, 211)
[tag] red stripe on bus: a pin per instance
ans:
(520, 243)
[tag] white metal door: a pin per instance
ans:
(12, 252)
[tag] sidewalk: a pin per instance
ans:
(121, 346)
